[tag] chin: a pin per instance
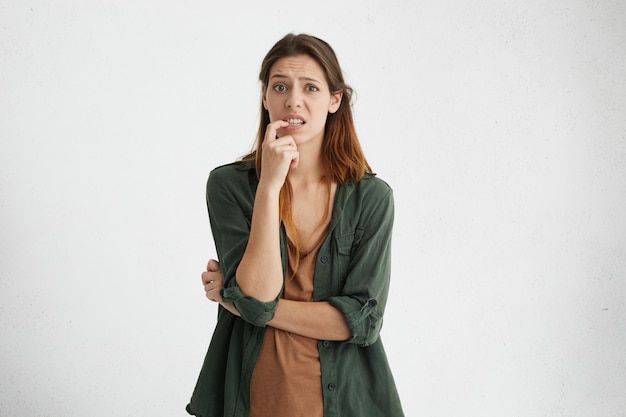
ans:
(302, 140)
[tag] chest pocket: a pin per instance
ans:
(347, 244)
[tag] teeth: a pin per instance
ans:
(295, 122)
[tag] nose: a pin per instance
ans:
(294, 100)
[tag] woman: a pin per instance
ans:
(303, 231)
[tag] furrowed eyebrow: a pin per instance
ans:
(301, 78)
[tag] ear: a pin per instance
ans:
(264, 97)
(335, 101)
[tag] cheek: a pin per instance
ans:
(273, 106)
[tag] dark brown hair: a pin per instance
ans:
(343, 157)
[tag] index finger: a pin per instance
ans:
(270, 132)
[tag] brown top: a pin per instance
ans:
(287, 380)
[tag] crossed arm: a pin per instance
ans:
(317, 320)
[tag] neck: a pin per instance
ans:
(310, 168)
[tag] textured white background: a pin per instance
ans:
(500, 125)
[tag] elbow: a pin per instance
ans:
(368, 332)
(251, 286)
(365, 323)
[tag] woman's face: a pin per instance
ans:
(298, 93)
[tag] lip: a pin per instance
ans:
(294, 116)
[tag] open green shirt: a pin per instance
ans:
(352, 273)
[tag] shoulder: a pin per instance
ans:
(237, 179)
(372, 187)
(233, 169)
(239, 172)
(370, 196)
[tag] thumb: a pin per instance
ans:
(213, 266)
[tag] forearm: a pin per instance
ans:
(317, 320)
(260, 272)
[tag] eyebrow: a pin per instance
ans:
(301, 78)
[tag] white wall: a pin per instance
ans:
(500, 125)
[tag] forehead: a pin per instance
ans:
(297, 67)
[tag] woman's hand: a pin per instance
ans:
(213, 282)
(279, 155)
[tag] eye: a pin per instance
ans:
(312, 88)
(280, 88)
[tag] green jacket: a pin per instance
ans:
(352, 273)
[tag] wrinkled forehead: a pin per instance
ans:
(298, 67)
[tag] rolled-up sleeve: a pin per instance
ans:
(230, 200)
(251, 309)
(364, 295)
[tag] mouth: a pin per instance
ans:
(295, 121)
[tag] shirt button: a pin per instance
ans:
(372, 303)
(331, 387)
(324, 259)
(325, 343)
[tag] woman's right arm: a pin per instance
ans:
(230, 201)
(260, 272)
